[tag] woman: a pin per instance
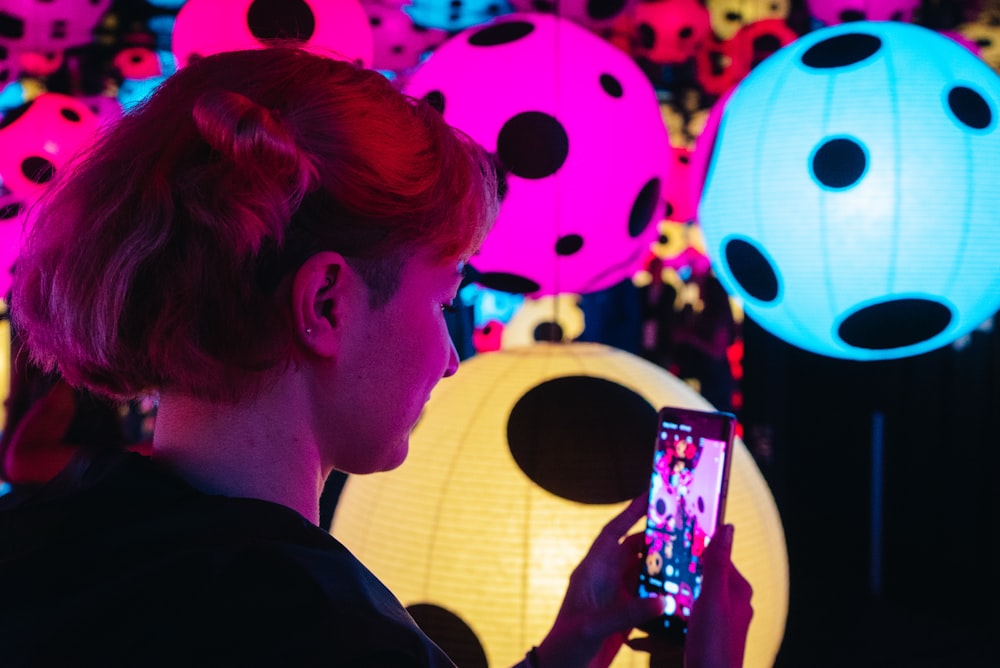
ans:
(268, 243)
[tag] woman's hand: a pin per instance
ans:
(601, 605)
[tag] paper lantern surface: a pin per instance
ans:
(337, 28)
(516, 464)
(850, 198)
(577, 125)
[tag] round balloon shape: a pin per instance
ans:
(669, 32)
(728, 16)
(576, 126)
(399, 44)
(850, 198)
(336, 28)
(833, 12)
(516, 464)
(598, 16)
(39, 137)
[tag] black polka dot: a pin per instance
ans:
(668, 210)
(643, 208)
(548, 331)
(604, 9)
(752, 270)
(375, 21)
(14, 114)
(766, 43)
(839, 163)
(701, 504)
(70, 115)
(646, 35)
(435, 98)
(852, 15)
(970, 107)
(501, 33)
(504, 282)
(450, 633)
(37, 169)
(734, 17)
(11, 26)
(841, 50)
(569, 244)
(10, 211)
(583, 438)
(611, 85)
(895, 324)
(685, 32)
(661, 506)
(287, 19)
(532, 145)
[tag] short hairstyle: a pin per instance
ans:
(157, 260)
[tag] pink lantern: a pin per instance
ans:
(398, 43)
(47, 26)
(596, 15)
(669, 31)
(577, 125)
(680, 205)
(138, 63)
(832, 12)
(39, 137)
(337, 28)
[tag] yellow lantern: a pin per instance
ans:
(516, 464)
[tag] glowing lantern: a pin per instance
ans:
(331, 27)
(577, 125)
(598, 16)
(669, 31)
(399, 44)
(515, 465)
(46, 26)
(554, 318)
(728, 16)
(832, 12)
(39, 137)
(851, 197)
(453, 15)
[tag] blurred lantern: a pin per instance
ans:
(40, 63)
(679, 203)
(728, 16)
(668, 32)
(143, 71)
(754, 42)
(832, 12)
(576, 125)
(5, 359)
(598, 16)
(399, 44)
(850, 199)
(514, 468)
(39, 137)
(12, 210)
(985, 33)
(49, 26)
(454, 15)
(552, 319)
(336, 28)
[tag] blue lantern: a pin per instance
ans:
(851, 197)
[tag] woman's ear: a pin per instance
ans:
(319, 291)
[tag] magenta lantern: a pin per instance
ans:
(399, 44)
(47, 26)
(669, 32)
(39, 137)
(338, 28)
(577, 126)
(832, 12)
(598, 16)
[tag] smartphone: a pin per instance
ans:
(687, 502)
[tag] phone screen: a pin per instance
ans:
(687, 494)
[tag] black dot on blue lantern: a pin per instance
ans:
(611, 85)
(532, 145)
(838, 163)
(644, 207)
(841, 51)
(583, 438)
(604, 9)
(37, 169)
(281, 19)
(501, 33)
(451, 633)
(895, 323)
(751, 269)
(970, 108)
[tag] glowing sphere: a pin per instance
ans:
(832, 12)
(337, 28)
(39, 137)
(669, 31)
(515, 466)
(577, 125)
(598, 16)
(399, 44)
(553, 319)
(851, 197)
(454, 15)
(49, 25)
(728, 16)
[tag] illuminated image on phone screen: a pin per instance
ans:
(685, 488)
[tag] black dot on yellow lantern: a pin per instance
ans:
(517, 463)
